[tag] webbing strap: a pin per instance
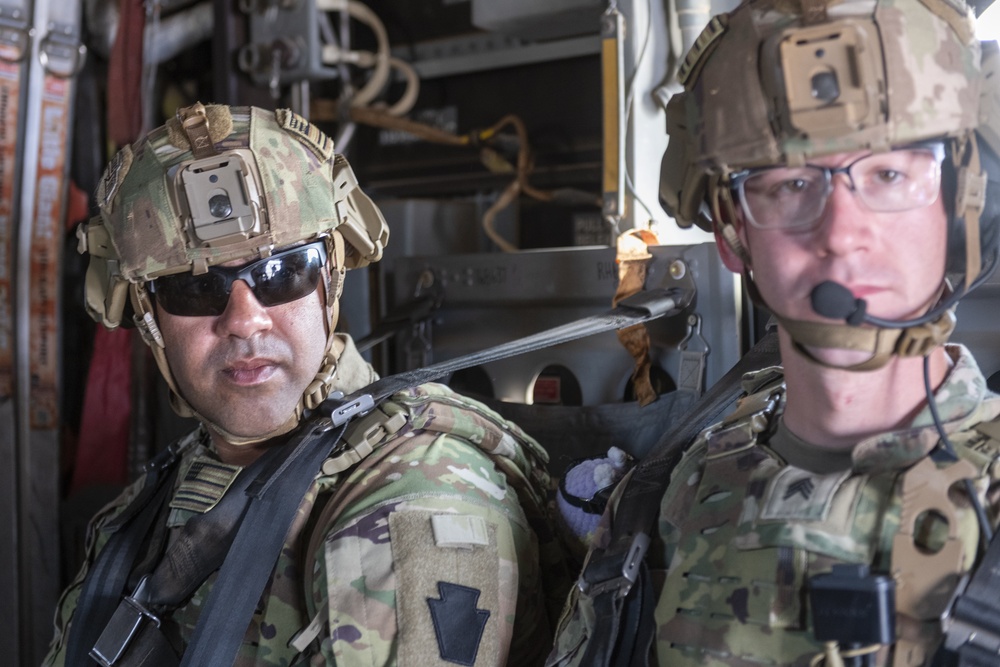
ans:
(102, 590)
(972, 625)
(202, 544)
(640, 307)
(201, 547)
(275, 498)
(611, 572)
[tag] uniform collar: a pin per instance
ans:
(958, 399)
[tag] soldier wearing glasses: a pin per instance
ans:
(844, 154)
(225, 235)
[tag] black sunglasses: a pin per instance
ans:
(281, 278)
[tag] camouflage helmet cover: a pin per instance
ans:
(781, 81)
(256, 180)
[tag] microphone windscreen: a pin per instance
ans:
(833, 300)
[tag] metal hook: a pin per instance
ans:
(694, 330)
(691, 372)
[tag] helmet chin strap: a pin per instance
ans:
(314, 394)
(880, 343)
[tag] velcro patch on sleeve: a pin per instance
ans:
(461, 531)
(448, 599)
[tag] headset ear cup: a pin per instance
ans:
(955, 262)
(989, 220)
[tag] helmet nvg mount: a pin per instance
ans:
(785, 81)
(217, 184)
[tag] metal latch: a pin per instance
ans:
(621, 580)
(347, 411)
(121, 630)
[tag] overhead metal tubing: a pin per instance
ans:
(176, 32)
(179, 32)
(692, 17)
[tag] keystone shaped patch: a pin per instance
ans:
(457, 623)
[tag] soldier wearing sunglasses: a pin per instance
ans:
(224, 237)
(844, 153)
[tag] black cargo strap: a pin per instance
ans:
(612, 572)
(108, 576)
(249, 525)
(636, 309)
(243, 576)
(198, 550)
(972, 624)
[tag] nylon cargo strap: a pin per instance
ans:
(247, 535)
(198, 550)
(612, 573)
(636, 309)
(102, 590)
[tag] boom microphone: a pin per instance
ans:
(833, 300)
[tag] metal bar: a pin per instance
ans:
(613, 92)
(465, 58)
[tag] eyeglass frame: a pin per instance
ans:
(737, 181)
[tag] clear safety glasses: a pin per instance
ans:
(793, 198)
(281, 278)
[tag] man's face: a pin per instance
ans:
(893, 260)
(247, 368)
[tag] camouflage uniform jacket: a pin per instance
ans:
(741, 530)
(436, 526)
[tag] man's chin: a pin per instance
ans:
(258, 425)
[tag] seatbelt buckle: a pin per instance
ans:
(605, 574)
(347, 410)
(123, 627)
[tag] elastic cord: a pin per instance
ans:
(985, 530)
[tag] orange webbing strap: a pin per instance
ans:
(633, 259)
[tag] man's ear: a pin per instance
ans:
(732, 247)
(730, 231)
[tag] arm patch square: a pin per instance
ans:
(447, 600)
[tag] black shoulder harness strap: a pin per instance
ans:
(971, 625)
(108, 577)
(612, 573)
(249, 531)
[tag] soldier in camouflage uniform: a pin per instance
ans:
(850, 144)
(228, 231)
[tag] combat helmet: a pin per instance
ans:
(217, 184)
(785, 81)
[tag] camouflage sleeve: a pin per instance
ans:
(428, 558)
